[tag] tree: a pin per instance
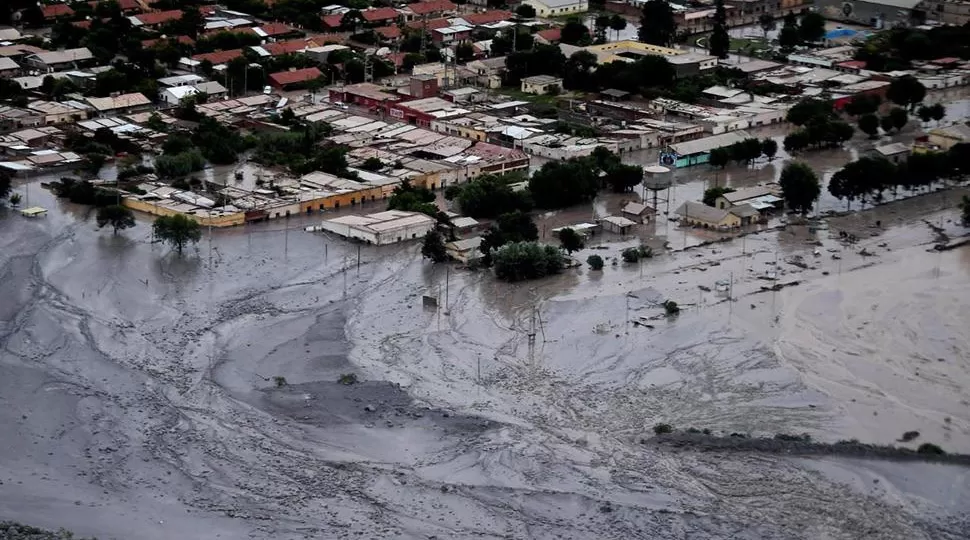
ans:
(117, 216)
(575, 33)
(488, 196)
(799, 186)
(719, 44)
(906, 91)
(711, 194)
(177, 230)
(767, 23)
(617, 24)
(795, 141)
(887, 124)
(899, 118)
(433, 247)
(464, 52)
(965, 210)
(657, 24)
(601, 23)
(352, 21)
(789, 37)
(371, 164)
(517, 227)
(769, 147)
(812, 27)
(938, 112)
(564, 183)
(863, 104)
(191, 22)
(525, 11)
(869, 124)
(809, 109)
(526, 260)
(623, 178)
(595, 262)
(571, 240)
(720, 157)
(409, 198)
(924, 113)
(578, 73)
(93, 162)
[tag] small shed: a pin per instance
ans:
(464, 251)
(895, 152)
(464, 224)
(612, 94)
(638, 212)
(618, 224)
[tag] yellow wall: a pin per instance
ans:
(629, 45)
(217, 221)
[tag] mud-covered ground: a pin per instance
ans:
(138, 398)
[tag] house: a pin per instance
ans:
(285, 80)
(612, 94)
(638, 212)
(451, 34)
(429, 9)
(688, 64)
(488, 72)
(219, 57)
(367, 95)
(695, 214)
(697, 151)
(895, 152)
(52, 12)
(761, 198)
(155, 18)
(380, 16)
(9, 68)
(125, 103)
(14, 118)
(555, 8)
(382, 228)
(174, 95)
(389, 33)
(488, 17)
(9, 34)
(617, 224)
(276, 30)
(160, 42)
(947, 137)
(549, 36)
(60, 60)
(542, 85)
(464, 251)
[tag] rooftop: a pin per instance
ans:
(297, 76)
(431, 6)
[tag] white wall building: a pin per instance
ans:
(554, 8)
(381, 228)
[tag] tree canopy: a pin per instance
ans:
(117, 216)
(177, 230)
(800, 186)
(657, 24)
(520, 261)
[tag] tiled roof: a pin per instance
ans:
(433, 24)
(389, 32)
(488, 17)
(275, 29)
(288, 47)
(333, 21)
(431, 6)
(159, 17)
(219, 57)
(149, 43)
(551, 34)
(380, 14)
(54, 11)
(290, 77)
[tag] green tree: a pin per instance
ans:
(488, 196)
(812, 27)
(595, 262)
(433, 247)
(863, 104)
(789, 37)
(5, 185)
(899, 118)
(570, 240)
(720, 157)
(371, 164)
(617, 24)
(887, 123)
(623, 178)
(409, 198)
(938, 112)
(520, 261)
(578, 72)
(906, 91)
(564, 183)
(769, 147)
(517, 227)
(177, 230)
(574, 32)
(93, 162)
(601, 23)
(795, 141)
(808, 110)
(525, 11)
(965, 210)
(719, 44)
(117, 216)
(869, 124)
(657, 24)
(767, 23)
(711, 194)
(799, 186)
(464, 52)
(924, 113)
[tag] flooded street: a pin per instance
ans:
(139, 386)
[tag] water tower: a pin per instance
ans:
(657, 178)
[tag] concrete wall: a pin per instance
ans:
(542, 10)
(864, 13)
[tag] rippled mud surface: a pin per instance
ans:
(139, 398)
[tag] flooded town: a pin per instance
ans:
(538, 270)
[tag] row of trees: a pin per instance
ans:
(744, 151)
(819, 126)
(868, 178)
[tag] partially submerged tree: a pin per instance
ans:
(595, 262)
(571, 240)
(117, 216)
(177, 230)
(526, 260)
(800, 186)
(433, 247)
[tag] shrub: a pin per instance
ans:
(520, 261)
(279, 381)
(660, 429)
(909, 435)
(595, 262)
(671, 308)
(634, 254)
(348, 379)
(930, 448)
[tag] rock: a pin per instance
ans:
(369, 408)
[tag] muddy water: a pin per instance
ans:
(143, 397)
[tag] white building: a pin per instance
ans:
(555, 8)
(541, 85)
(381, 228)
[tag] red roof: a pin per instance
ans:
(380, 14)
(149, 43)
(389, 32)
(396, 58)
(54, 11)
(288, 47)
(431, 6)
(550, 34)
(125, 5)
(945, 61)
(159, 17)
(275, 29)
(284, 78)
(488, 17)
(433, 24)
(85, 24)
(333, 21)
(219, 57)
(853, 64)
